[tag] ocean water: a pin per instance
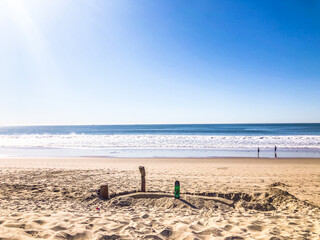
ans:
(193, 140)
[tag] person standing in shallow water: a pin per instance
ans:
(258, 152)
(275, 151)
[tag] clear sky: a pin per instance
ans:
(142, 61)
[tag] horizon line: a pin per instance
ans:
(136, 124)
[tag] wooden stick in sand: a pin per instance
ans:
(104, 191)
(143, 178)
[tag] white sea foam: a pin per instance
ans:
(82, 141)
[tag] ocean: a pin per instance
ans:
(176, 140)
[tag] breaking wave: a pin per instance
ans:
(86, 141)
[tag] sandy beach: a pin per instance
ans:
(183, 120)
(221, 198)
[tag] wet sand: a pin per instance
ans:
(222, 198)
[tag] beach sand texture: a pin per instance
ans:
(238, 198)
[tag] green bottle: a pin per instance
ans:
(177, 190)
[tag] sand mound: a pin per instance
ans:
(270, 200)
(169, 202)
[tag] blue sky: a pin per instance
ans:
(135, 62)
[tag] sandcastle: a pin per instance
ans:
(262, 201)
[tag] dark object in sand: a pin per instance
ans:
(177, 189)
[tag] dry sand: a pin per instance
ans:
(238, 198)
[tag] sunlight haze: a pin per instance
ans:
(135, 62)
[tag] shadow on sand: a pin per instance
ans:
(189, 204)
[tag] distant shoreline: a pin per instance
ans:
(156, 153)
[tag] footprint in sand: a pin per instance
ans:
(77, 235)
(228, 227)
(40, 222)
(167, 232)
(16, 225)
(33, 233)
(256, 228)
(145, 216)
(234, 238)
(89, 226)
(154, 237)
(58, 228)
(210, 231)
(275, 238)
(104, 237)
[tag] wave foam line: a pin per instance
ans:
(159, 141)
